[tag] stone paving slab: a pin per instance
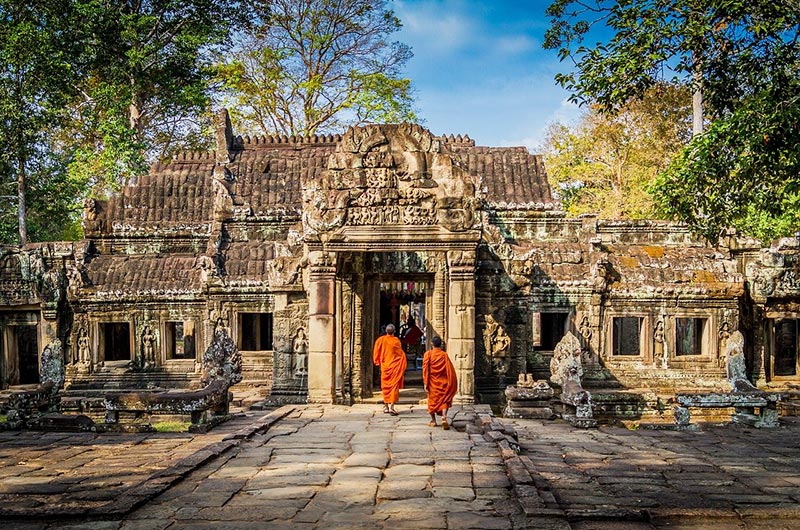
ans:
(719, 477)
(313, 467)
(46, 475)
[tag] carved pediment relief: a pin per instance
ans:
(389, 175)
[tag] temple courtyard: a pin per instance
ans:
(308, 467)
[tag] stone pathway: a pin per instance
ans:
(74, 474)
(344, 467)
(722, 477)
(310, 467)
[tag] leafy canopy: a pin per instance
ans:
(36, 72)
(313, 66)
(605, 163)
(744, 56)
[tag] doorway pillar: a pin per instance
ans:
(461, 322)
(321, 327)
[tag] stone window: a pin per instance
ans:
(689, 335)
(180, 340)
(786, 347)
(548, 330)
(627, 332)
(255, 331)
(116, 338)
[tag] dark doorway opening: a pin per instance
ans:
(117, 341)
(28, 355)
(255, 332)
(404, 304)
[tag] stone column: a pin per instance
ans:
(321, 328)
(461, 322)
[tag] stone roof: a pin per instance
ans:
(248, 261)
(688, 269)
(173, 195)
(118, 276)
(266, 175)
(510, 176)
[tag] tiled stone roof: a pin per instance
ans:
(171, 195)
(509, 175)
(119, 275)
(269, 178)
(248, 260)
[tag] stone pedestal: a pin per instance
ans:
(532, 402)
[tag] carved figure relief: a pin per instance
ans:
(84, 347)
(599, 275)
(659, 351)
(565, 367)
(497, 343)
(89, 221)
(300, 350)
(735, 365)
(585, 329)
(148, 347)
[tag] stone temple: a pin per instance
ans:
(303, 248)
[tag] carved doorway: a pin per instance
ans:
(403, 301)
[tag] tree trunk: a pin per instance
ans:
(697, 112)
(697, 99)
(22, 210)
(135, 111)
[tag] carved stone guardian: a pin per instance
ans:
(222, 360)
(567, 372)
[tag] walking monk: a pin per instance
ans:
(439, 378)
(389, 355)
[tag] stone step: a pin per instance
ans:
(116, 380)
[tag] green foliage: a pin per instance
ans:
(743, 172)
(314, 66)
(605, 163)
(91, 92)
(744, 56)
(144, 85)
(35, 76)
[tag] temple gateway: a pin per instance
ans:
(304, 248)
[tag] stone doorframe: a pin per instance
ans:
(458, 287)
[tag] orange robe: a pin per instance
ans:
(439, 377)
(389, 355)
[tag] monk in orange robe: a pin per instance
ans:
(389, 355)
(441, 384)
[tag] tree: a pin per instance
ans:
(35, 73)
(144, 89)
(743, 56)
(605, 163)
(316, 65)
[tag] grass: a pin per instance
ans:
(172, 426)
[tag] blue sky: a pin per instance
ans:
(479, 69)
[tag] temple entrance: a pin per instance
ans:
(116, 341)
(404, 302)
(19, 354)
(28, 351)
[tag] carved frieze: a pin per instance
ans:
(389, 175)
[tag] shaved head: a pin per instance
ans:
(390, 329)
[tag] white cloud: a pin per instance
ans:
(513, 44)
(434, 27)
